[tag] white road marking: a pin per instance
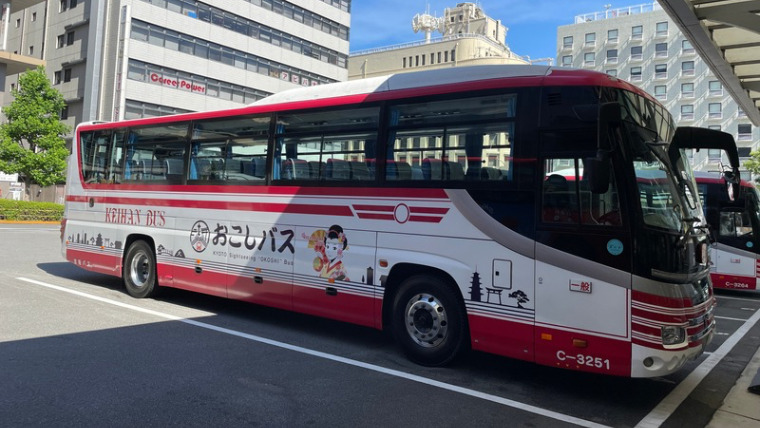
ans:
(744, 299)
(379, 369)
(731, 318)
(669, 404)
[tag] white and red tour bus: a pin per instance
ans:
(734, 223)
(424, 203)
(731, 209)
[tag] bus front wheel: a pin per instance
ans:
(139, 270)
(428, 321)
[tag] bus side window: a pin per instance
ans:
(115, 167)
(325, 147)
(734, 224)
(151, 151)
(599, 209)
(452, 141)
(559, 201)
(95, 159)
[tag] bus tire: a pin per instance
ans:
(139, 272)
(428, 321)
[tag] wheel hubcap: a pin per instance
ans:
(426, 320)
(139, 270)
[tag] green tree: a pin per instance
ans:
(753, 164)
(31, 142)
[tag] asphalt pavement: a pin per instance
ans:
(740, 407)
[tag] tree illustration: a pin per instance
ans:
(520, 296)
(476, 294)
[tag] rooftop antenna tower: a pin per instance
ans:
(427, 23)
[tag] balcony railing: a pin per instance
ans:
(614, 13)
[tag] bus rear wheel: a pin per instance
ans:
(139, 270)
(428, 321)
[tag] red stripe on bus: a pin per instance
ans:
(423, 219)
(373, 216)
(381, 208)
(666, 302)
(428, 210)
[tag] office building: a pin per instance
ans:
(125, 59)
(469, 37)
(642, 45)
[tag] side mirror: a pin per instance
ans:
(733, 185)
(597, 172)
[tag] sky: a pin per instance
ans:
(532, 24)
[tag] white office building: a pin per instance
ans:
(642, 45)
(124, 59)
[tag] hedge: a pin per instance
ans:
(30, 211)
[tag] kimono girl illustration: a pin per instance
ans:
(329, 247)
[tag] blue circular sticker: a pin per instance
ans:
(615, 247)
(750, 244)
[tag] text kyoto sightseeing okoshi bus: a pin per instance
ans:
(424, 203)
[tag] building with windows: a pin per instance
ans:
(642, 45)
(125, 59)
(469, 37)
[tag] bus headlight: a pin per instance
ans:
(673, 335)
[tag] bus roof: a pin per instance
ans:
(447, 76)
(401, 81)
(454, 79)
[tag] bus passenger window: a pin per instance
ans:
(115, 167)
(328, 146)
(228, 151)
(152, 153)
(558, 200)
(566, 197)
(94, 150)
(734, 224)
(599, 209)
(452, 141)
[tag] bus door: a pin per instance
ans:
(583, 265)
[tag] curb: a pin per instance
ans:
(28, 222)
(740, 408)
